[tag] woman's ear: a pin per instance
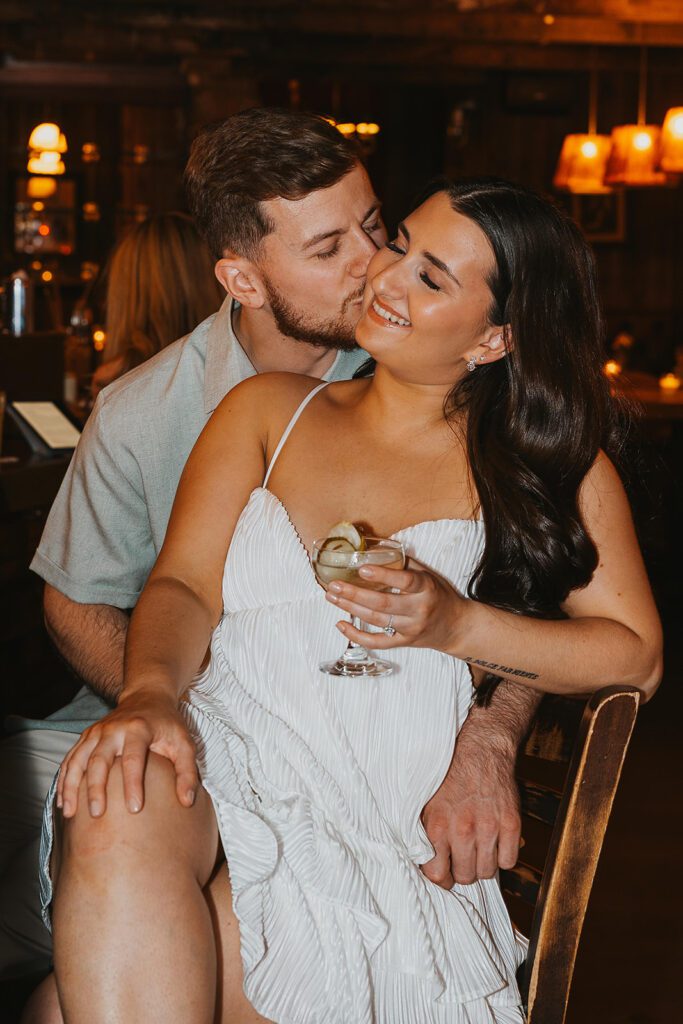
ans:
(496, 344)
(241, 280)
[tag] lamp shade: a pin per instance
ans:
(582, 163)
(634, 156)
(672, 141)
(44, 136)
(41, 188)
(46, 162)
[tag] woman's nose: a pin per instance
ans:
(388, 280)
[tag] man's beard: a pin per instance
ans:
(333, 334)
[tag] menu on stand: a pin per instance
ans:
(44, 426)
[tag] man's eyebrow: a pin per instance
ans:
(323, 235)
(439, 264)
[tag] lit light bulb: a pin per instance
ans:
(47, 162)
(589, 149)
(642, 141)
(676, 126)
(45, 136)
(669, 382)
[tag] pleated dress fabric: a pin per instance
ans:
(318, 783)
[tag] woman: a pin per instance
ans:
(477, 443)
(160, 285)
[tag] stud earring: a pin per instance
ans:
(472, 364)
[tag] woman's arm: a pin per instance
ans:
(612, 635)
(181, 603)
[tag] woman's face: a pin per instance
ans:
(426, 299)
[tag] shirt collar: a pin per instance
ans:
(226, 362)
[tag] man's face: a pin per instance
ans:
(315, 261)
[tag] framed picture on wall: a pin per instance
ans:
(602, 218)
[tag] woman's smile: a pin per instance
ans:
(386, 316)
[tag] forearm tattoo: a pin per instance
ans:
(492, 667)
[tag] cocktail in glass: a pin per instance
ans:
(330, 564)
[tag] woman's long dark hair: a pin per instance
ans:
(537, 418)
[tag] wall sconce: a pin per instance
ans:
(91, 212)
(46, 145)
(90, 153)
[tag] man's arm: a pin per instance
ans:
(473, 820)
(91, 638)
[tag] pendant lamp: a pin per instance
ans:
(672, 142)
(583, 157)
(634, 157)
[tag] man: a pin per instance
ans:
(292, 219)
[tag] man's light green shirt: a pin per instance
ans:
(108, 521)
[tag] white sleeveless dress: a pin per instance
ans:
(318, 783)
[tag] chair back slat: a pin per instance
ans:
(539, 802)
(574, 849)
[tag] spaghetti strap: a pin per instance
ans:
(290, 426)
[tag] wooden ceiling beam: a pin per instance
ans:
(494, 27)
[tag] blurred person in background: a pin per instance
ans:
(144, 314)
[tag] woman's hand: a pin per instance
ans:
(140, 724)
(423, 608)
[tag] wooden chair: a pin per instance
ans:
(565, 810)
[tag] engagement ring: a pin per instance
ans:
(389, 629)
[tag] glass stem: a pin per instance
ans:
(354, 651)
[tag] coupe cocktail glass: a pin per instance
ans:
(332, 565)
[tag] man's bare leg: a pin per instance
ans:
(43, 1006)
(133, 934)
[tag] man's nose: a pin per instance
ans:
(364, 250)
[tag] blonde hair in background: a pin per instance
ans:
(160, 285)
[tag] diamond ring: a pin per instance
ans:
(389, 629)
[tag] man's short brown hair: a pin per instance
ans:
(259, 154)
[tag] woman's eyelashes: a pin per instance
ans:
(424, 276)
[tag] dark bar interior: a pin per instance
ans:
(99, 104)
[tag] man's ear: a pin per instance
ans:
(241, 280)
(494, 346)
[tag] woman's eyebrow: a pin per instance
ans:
(439, 264)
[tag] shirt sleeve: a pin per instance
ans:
(97, 545)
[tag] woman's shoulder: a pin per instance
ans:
(266, 396)
(275, 394)
(602, 490)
